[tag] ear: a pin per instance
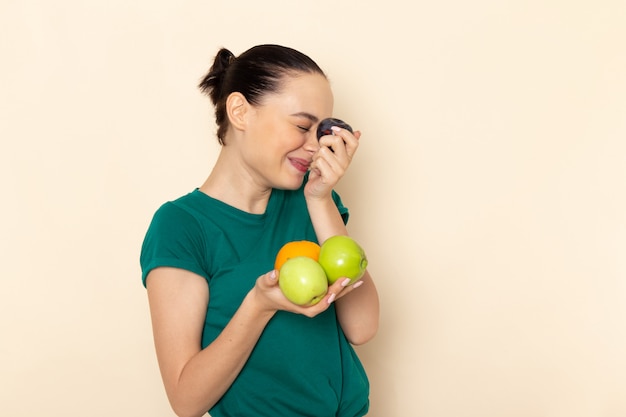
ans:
(237, 108)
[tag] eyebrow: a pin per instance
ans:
(306, 116)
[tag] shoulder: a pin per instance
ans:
(170, 219)
(180, 210)
(175, 221)
(174, 238)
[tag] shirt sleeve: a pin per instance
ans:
(174, 239)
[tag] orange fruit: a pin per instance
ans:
(297, 248)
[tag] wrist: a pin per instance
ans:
(259, 305)
(321, 201)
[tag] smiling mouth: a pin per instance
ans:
(301, 165)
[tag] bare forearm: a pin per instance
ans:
(209, 374)
(326, 219)
(358, 311)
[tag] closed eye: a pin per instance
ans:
(304, 128)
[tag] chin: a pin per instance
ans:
(293, 184)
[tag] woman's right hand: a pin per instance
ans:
(270, 297)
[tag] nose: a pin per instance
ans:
(312, 143)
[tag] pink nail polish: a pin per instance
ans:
(346, 282)
(331, 298)
(358, 284)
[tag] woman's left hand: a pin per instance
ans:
(331, 162)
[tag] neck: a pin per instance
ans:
(234, 184)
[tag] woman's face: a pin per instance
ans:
(281, 136)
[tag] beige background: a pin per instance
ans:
(489, 192)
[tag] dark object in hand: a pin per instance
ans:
(325, 125)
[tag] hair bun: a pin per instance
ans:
(225, 58)
(211, 84)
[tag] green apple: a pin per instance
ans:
(342, 257)
(303, 281)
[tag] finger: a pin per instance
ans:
(345, 286)
(329, 169)
(351, 142)
(314, 170)
(315, 309)
(270, 279)
(338, 287)
(333, 142)
(337, 158)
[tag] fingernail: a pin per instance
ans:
(336, 128)
(331, 298)
(273, 274)
(358, 284)
(346, 282)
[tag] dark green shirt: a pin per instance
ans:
(300, 366)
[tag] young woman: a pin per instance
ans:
(227, 340)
